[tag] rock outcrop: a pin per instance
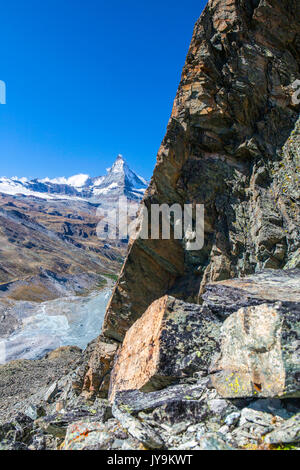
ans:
(259, 353)
(172, 340)
(253, 351)
(232, 144)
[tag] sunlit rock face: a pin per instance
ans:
(232, 144)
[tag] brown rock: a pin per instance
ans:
(160, 265)
(248, 352)
(232, 145)
(96, 381)
(163, 345)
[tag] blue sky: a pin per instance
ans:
(88, 79)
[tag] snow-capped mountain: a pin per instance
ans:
(120, 180)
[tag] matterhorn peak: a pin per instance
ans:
(118, 165)
(120, 180)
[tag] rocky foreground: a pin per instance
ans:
(220, 375)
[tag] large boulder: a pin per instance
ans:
(250, 352)
(171, 340)
(259, 353)
(94, 375)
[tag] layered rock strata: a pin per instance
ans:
(232, 144)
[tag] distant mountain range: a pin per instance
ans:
(120, 180)
(48, 239)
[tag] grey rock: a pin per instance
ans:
(218, 406)
(140, 431)
(190, 445)
(256, 417)
(271, 405)
(269, 286)
(51, 393)
(232, 419)
(259, 352)
(34, 411)
(213, 442)
(137, 401)
(38, 443)
(87, 436)
(224, 429)
(57, 424)
(287, 433)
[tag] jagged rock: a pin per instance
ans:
(288, 433)
(34, 412)
(57, 424)
(259, 353)
(180, 413)
(17, 430)
(140, 431)
(265, 420)
(93, 435)
(94, 375)
(254, 353)
(51, 393)
(136, 401)
(172, 339)
(268, 286)
(252, 428)
(232, 144)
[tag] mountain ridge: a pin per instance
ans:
(119, 180)
(52, 227)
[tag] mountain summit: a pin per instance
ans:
(119, 181)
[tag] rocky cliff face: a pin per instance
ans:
(232, 144)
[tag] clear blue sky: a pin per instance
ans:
(88, 79)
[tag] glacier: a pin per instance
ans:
(68, 321)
